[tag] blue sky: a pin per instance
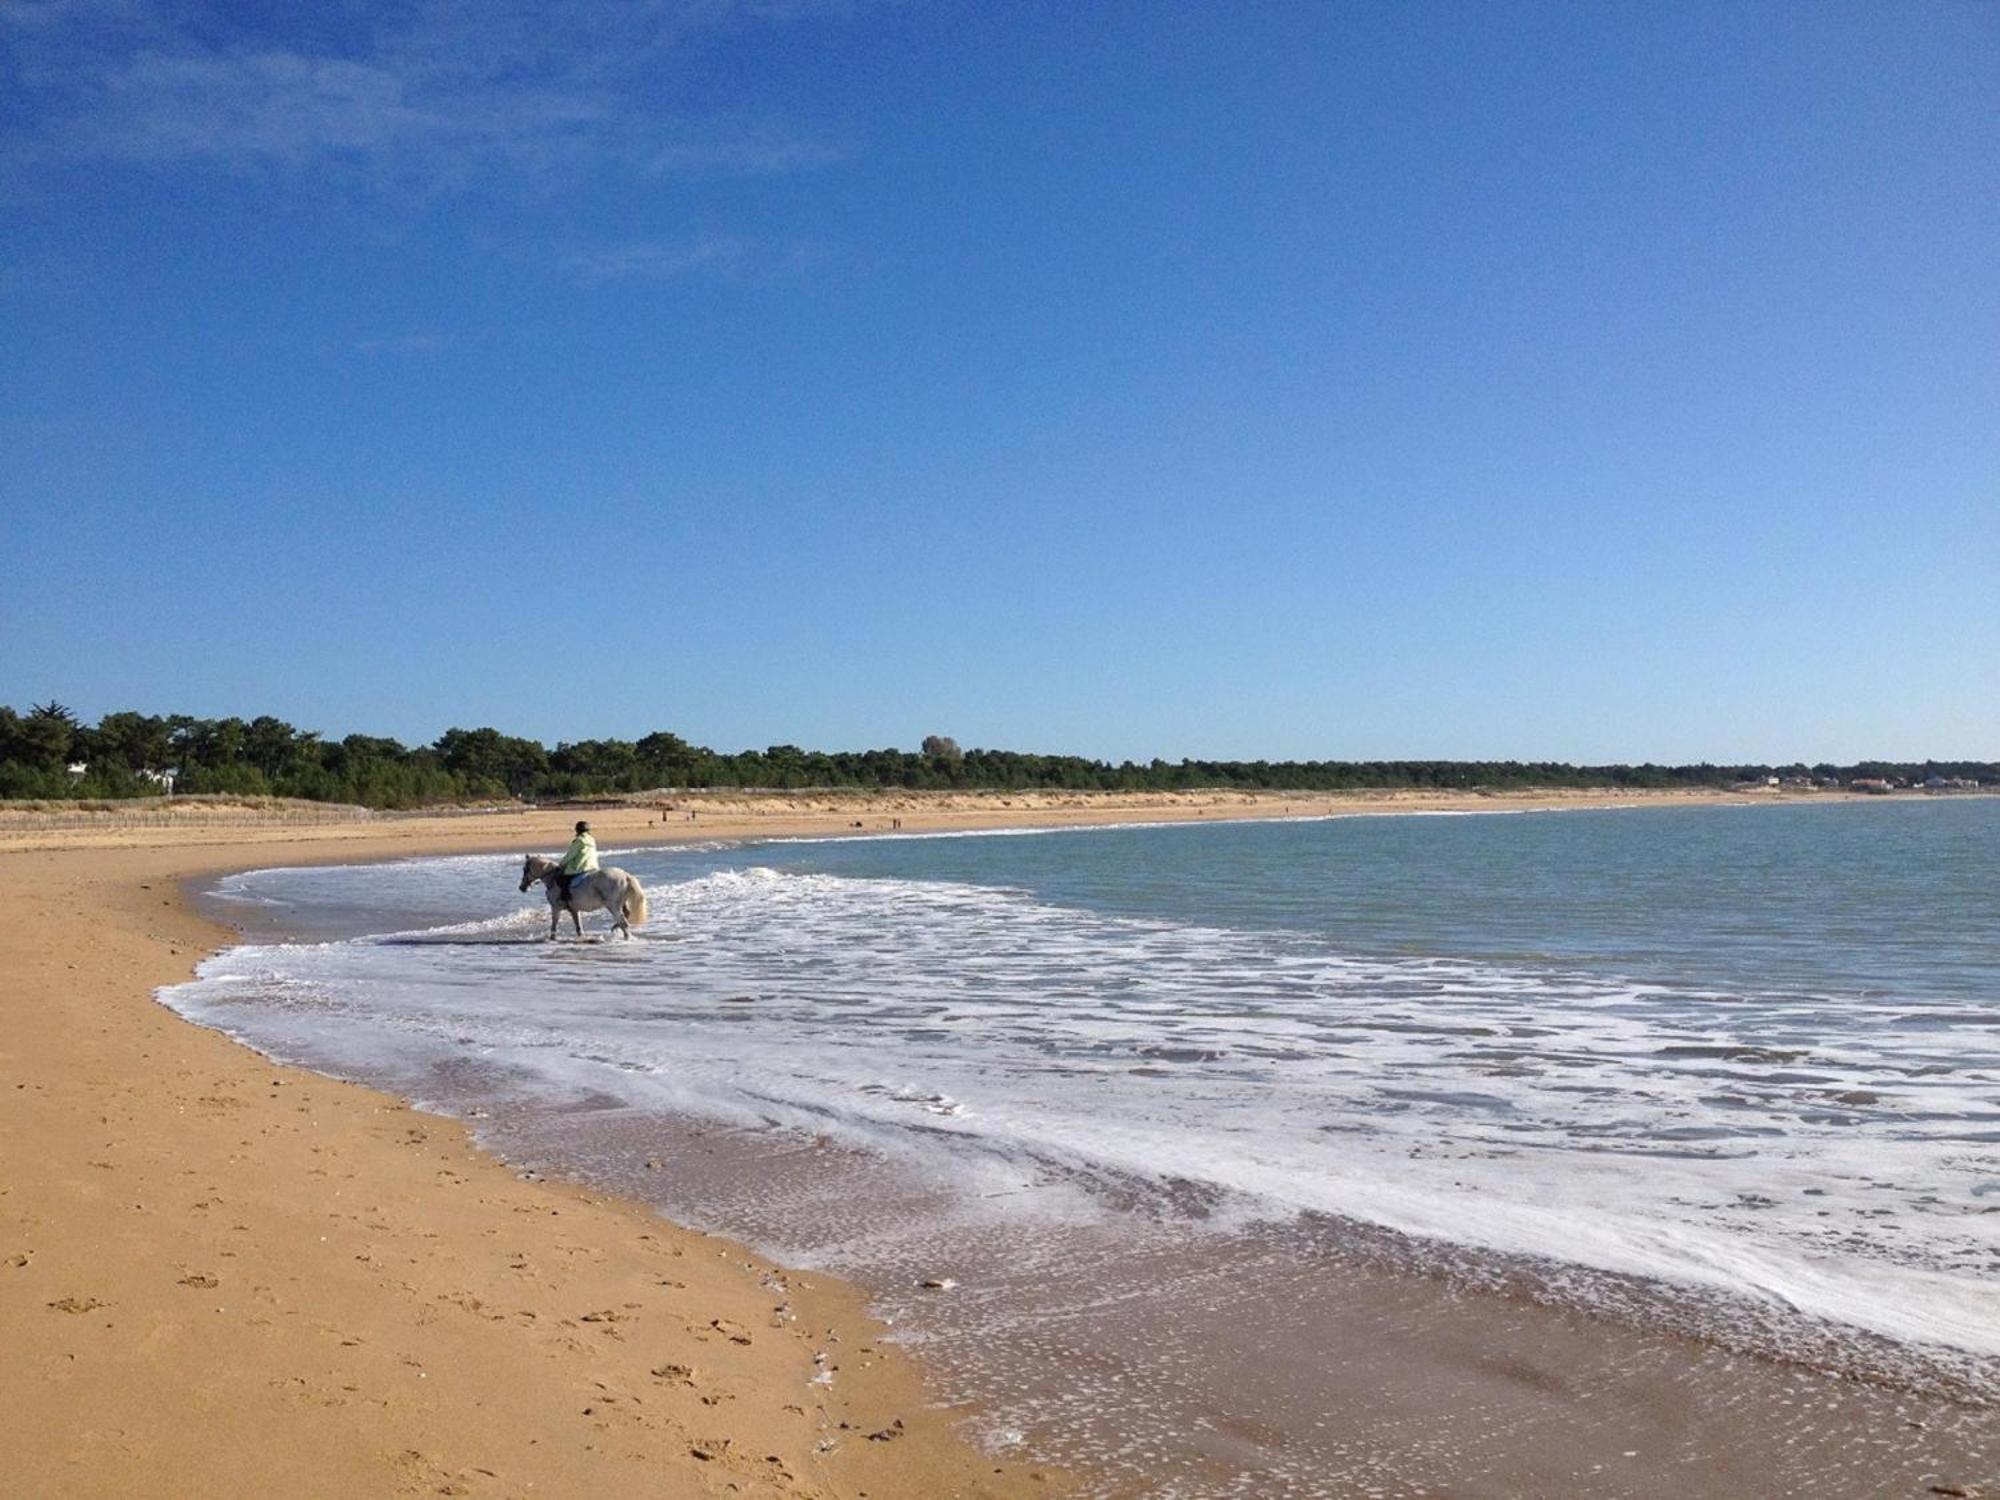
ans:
(1581, 382)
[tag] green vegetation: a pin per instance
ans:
(268, 757)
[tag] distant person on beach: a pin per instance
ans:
(581, 858)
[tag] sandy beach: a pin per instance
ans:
(229, 1278)
(225, 1277)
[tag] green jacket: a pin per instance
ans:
(582, 856)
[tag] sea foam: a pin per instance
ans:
(1825, 1155)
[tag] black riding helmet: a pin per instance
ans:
(583, 827)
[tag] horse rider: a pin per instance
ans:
(581, 859)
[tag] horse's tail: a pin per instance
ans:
(634, 907)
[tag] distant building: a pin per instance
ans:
(1874, 784)
(164, 780)
(78, 769)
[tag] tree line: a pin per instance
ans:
(122, 755)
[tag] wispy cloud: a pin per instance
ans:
(436, 93)
(739, 145)
(670, 260)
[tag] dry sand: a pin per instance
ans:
(223, 1277)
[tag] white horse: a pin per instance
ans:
(601, 890)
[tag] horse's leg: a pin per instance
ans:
(555, 918)
(575, 920)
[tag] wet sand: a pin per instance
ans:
(226, 1277)
(1155, 1352)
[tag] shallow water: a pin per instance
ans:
(1715, 1072)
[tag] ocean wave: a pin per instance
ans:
(1802, 1152)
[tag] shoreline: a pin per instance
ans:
(800, 814)
(151, 1277)
(227, 1276)
(224, 1209)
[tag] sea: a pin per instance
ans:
(1381, 1154)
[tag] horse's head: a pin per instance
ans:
(533, 868)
